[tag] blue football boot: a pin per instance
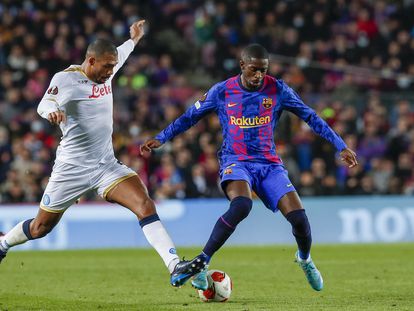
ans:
(312, 273)
(184, 270)
(200, 280)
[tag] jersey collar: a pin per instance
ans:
(259, 89)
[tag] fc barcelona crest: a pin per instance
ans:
(228, 171)
(267, 102)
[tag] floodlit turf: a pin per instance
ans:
(363, 277)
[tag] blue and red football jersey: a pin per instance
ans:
(248, 119)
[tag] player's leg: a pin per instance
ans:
(240, 196)
(277, 192)
(29, 229)
(118, 183)
(236, 183)
(66, 184)
(132, 194)
(291, 207)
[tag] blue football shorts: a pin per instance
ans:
(269, 181)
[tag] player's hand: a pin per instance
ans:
(137, 30)
(349, 157)
(149, 145)
(56, 117)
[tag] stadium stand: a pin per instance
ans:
(350, 60)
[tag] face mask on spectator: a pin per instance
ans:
(134, 130)
(118, 30)
(36, 126)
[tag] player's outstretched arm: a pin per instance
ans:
(349, 157)
(137, 31)
(149, 145)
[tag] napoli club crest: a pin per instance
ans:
(267, 102)
(46, 200)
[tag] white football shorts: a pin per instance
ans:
(69, 182)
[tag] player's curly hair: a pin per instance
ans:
(254, 51)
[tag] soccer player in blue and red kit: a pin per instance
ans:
(249, 106)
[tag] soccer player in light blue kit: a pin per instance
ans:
(249, 106)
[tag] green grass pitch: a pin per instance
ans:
(357, 277)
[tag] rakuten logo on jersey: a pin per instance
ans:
(244, 122)
(100, 91)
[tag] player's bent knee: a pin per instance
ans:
(240, 208)
(144, 207)
(299, 222)
(243, 205)
(244, 211)
(148, 207)
(40, 230)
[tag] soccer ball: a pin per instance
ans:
(219, 287)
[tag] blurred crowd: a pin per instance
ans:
(351, 60)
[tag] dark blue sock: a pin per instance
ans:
(301, 230)
(147, 220)
(26, 228)
(240, 207)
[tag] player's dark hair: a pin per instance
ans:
(100, 47)
(254, 51)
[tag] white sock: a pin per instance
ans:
(159, 239)
(14, 237)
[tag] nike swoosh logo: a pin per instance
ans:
(289, 185)
(232, 104)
